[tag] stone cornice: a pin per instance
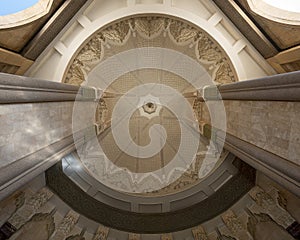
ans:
(17, 89)
(281, 87)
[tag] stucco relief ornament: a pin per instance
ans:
(41, 225)
(30, 207)
(181, 33)
(166, 237)
(66, 226)
(150, 56)
(101, 233)
(223, 73)
(86, 59)
(149, 27)
(235, 226)
(118, 34)
(199, 233)
(134, 236)
(271, 207)
(197, 108)
(101, 114)
(206, 50)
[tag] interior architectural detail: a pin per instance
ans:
(150, 120)
(124, 34)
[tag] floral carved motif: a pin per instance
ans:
(134, 236)
(182, 33)
(30, 207)
(66, 225)
(102, 233)
(167, 236)
(199, 233)
(149, 27)
(235, 226)
(124, 32)
(271, 207)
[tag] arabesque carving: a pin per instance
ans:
(102, 233)
(206, 50)
(30, 207)
(134, 236)
(66, 226)
(271, 207)
(199, 233)
(235, 226)
(101, 114)
(167, 236)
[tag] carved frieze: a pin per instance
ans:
(41, 226)
(134, 236)
(149, 27)
(235, 226)
(123, 33)
(66, 226)
(30, 207)
(101, 114)
(199, 233)
(182, 33)
(102, 233)
(271, 207)
(167, 236)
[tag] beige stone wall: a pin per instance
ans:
(270, 125)
(26, 128)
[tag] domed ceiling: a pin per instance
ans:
(148, 155)
(141, 34)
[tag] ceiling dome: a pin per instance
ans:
(149, 157)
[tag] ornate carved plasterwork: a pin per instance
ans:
(167, 236)
(116, 34)
(41, 226)
(134, 236)
(101, 114)
(102, 233)
(235, 226)
(199, 233)
(271, 207)
(180, 33)
(149, 27)
(66, 226)
(24, 213)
